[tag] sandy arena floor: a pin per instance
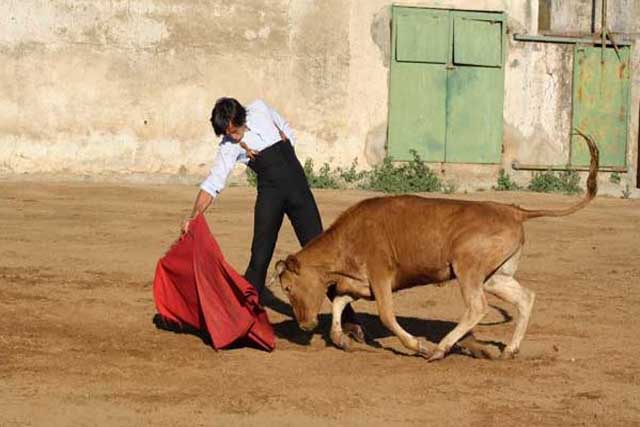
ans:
(77, 346)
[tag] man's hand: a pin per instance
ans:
(283, 136)
(252, 154)
(185, 226)
(203, 200)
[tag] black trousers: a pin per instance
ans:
(271, 206)
(282, 190)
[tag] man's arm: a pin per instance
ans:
(212, 186)
(203, 201)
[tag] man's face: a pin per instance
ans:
(236, 132)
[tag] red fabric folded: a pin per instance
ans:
(194, 285)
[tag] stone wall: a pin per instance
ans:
(126, 87)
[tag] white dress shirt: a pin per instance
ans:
(263, 123)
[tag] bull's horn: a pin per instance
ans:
(280, 266)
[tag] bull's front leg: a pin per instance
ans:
(384, 300)
(338, 337)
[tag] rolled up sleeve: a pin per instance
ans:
(223, 164)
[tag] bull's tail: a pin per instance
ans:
(592, 186)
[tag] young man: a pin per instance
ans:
(259, 137)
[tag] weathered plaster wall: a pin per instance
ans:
(125, 87)
(576, 16)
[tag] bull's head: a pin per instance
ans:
(305, 288)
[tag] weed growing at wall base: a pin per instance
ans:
(626, 193)
(566, 182)
(252, 178)
(505, 183)
(410, 177)
(615, 178)
(351, 175)
(324, 178)
(416, 177)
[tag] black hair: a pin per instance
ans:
(227, 111)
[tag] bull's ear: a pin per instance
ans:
(292, 263)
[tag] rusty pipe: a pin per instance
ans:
(603, 29)
(516, 165)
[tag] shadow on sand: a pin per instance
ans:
(431, 330)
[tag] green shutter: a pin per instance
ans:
(446, 85)
(477, 39)
(475, 89)
(422, 35)
(474, 115)
(417, 115)
(601, 103)
(418, 80)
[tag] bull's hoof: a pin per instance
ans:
(355, 331)
(437, 355)
(423, 351)
(509, 354)
(341, 340)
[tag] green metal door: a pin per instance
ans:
(475, 88)
(601, 103)
(417, 100)
(446, 85)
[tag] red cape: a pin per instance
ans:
(194, 285)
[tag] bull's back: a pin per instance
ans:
(435, 219)
(417, 236)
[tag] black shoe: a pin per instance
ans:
(165, 324)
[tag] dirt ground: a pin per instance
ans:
(77, 346)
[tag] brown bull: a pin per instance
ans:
(384, 244)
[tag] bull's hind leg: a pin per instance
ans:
(476, 308)
(504, 286)
(508, 289)
(338, 337)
